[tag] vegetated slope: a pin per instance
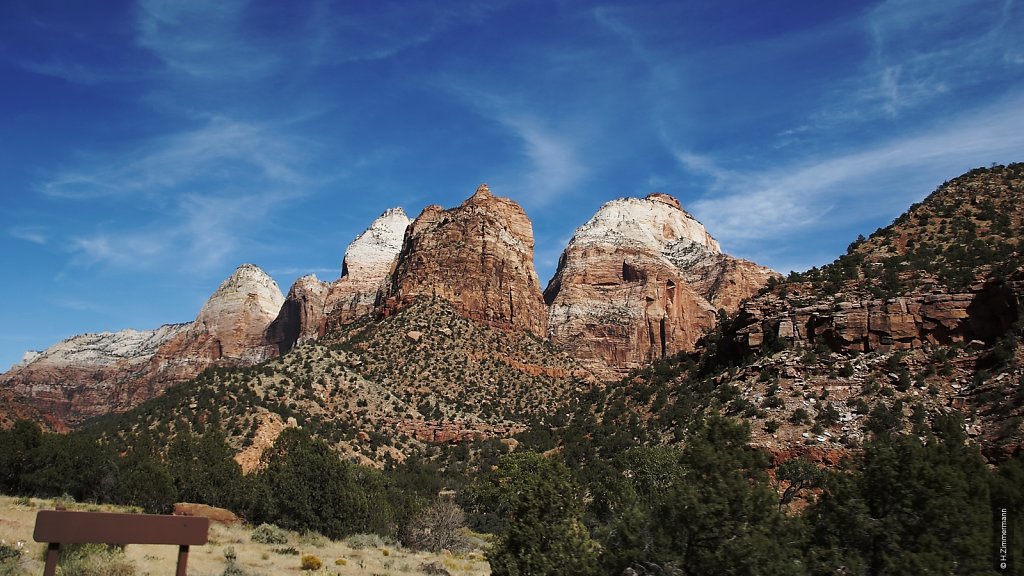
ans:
(920, 320)
(934, 300)
(967, 230)
(381, 391)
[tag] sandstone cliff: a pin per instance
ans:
(366, 269)
(302, 317)
(984, 312)
(313, 308)
(89, 374)
(229, 330)
(642, 280)
(479, 257)
(94, 374)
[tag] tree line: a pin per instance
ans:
(905, 504)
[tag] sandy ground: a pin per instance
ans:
(18, 519)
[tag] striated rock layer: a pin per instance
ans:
(640, 281)
(313, 308)
(230, 330)
(95, 374)
(366, 269)
(89, 374)
(479, 257)
(983, 313)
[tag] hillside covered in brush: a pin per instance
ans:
(379, 391)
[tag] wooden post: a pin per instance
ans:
(52, 556)
(182, 560)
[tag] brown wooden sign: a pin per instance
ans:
(62, 527)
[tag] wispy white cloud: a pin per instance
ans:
(199, 233)
(555, 162)
(186, 200)
(76, 304)
(224, 150)
(922, 50)
(70, 70)
(832, 190)
(552, 148)
(33, 234)
(203, 39)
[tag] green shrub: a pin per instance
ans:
(800, 416)
(360, 541)
(95, 560)
(313, 538)
(269, 534)
(8, 553)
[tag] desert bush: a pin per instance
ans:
(438, 527)
(434, 569)
(360, 541)
(95, 560)
(311, 562)
(269, 534)
(11, 561)
(313, 538)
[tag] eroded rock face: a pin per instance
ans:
(913, 321)
(302, 317)
(640, 281)
(479, 257)
(89, 374)
(230, 330)
(366, 269)
(96, 374)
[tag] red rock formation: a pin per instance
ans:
(88, 375)
(984, 313)
(95, 374)
(479, 257)
(230, 330)
(302, 317)
(205, 511)
(640, 281)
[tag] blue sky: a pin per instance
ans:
(149, 147)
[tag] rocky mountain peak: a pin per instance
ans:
(302, 316)
(376, 247)
(478, 256)
(482, 191)
(664, 198)
(248, 292)
(657, 222)
(642, 280)
(367, 267)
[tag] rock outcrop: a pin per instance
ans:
(89, 374)
(479, 257)
(230, 330)
(215, 514)
(640, 281)
(95, 374)
(302, 317)
(912, 321)
(366, 269)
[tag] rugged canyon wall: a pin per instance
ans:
(479, 257)
(302, 317)
(94, 374)
(366, 269)
(983, 313)
(640, 281)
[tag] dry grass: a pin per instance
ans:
(18, 519)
